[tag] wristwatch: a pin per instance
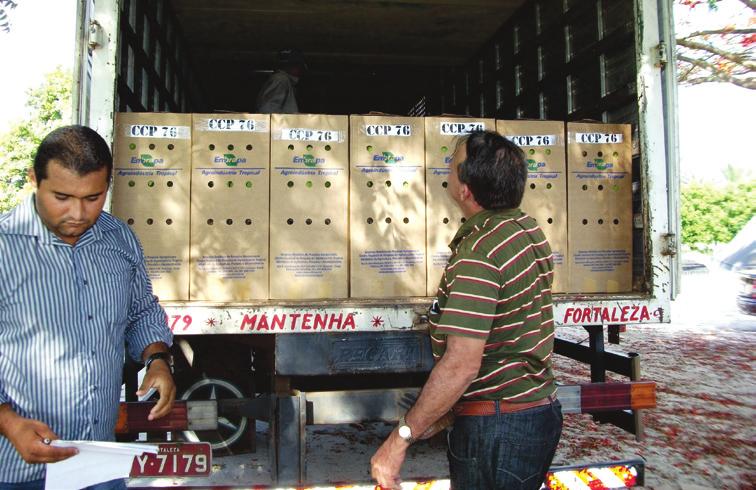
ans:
(405, 432)
(166, 356)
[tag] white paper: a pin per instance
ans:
(97, 462)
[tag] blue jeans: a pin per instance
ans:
(505, 450)
(119, 484)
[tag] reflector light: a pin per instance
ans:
(596, 477)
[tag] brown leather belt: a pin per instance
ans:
(488, 407)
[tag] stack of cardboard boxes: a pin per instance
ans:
(316, 206)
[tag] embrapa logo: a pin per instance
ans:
(308, 160)
(387, 157)
(229, 159)
(533, 166)
(599, 164)
(146, 160)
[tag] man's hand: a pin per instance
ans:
(386, 463)
(28, 435)
(159, 377)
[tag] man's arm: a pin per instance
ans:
(158, 376)
(28, 435)
(446, 384)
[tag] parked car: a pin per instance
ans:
(746, 299)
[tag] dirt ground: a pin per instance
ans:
(702, 432)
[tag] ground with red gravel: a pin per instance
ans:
(702, 433)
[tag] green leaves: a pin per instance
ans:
(49, 107)
(712, 214)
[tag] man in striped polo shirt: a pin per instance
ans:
(492, 333)
(74, 294)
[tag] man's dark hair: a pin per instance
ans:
(77, 148)
(495, 170)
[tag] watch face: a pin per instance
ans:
(405, 432)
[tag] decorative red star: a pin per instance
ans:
(377, 321)
(210, 322)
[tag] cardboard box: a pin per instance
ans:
(545, 196)
(443, 215)
(600, 218)
(309, 206)
(230, 206)
(387, 206)
(151, 193)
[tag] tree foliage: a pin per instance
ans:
(49, 107)
(711, 214)
(723, 53)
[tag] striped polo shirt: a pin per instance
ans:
(67, 313)
(497, 287)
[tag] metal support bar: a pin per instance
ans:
(614, 334)
(288, 435)
(597, 361)
(615, 362)
(639, 428)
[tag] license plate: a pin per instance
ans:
(180, 459)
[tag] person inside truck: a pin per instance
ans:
(278, 95)
(492, 335)
(74, 293)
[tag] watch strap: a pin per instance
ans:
(165, 356)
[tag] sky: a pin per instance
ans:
(715, 120)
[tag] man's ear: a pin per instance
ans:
(32, 177)
(465, 193)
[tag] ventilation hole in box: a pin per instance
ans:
(308, 184)
(249, 147)
(308, 221)
(585, 153)
(388, 183)
(531, 151)
(327, 147)
(290, 184)
(463, 220)
(600, 187)
(309, 147)
(388, 221)
(230, 184)
(600, 221)
(132, 146)
(369, 147)
(169, 183)
(229, 221)
(150, 221)
(210, 221)
(328, 221)
(585, 187)
(230, 147)
(152, 146)
(211, 147)
(290, 221)
(327, 184)
(444, 149)
(615, 154)
(406, 220)
(370, 221)
(549, 186)
(150, 183)
(445, 220)
(211, 184)
(532, 186)
(585, 221)
(130, 221)
(291, 147)
(132, 183)
(600, 154)
(370, 183)
(616, 221)
(248, 184)
(169, 222)
(548, 151)
(247, 221)
(171, 147)
(444, 184)
(550, 220)
(405, 184)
